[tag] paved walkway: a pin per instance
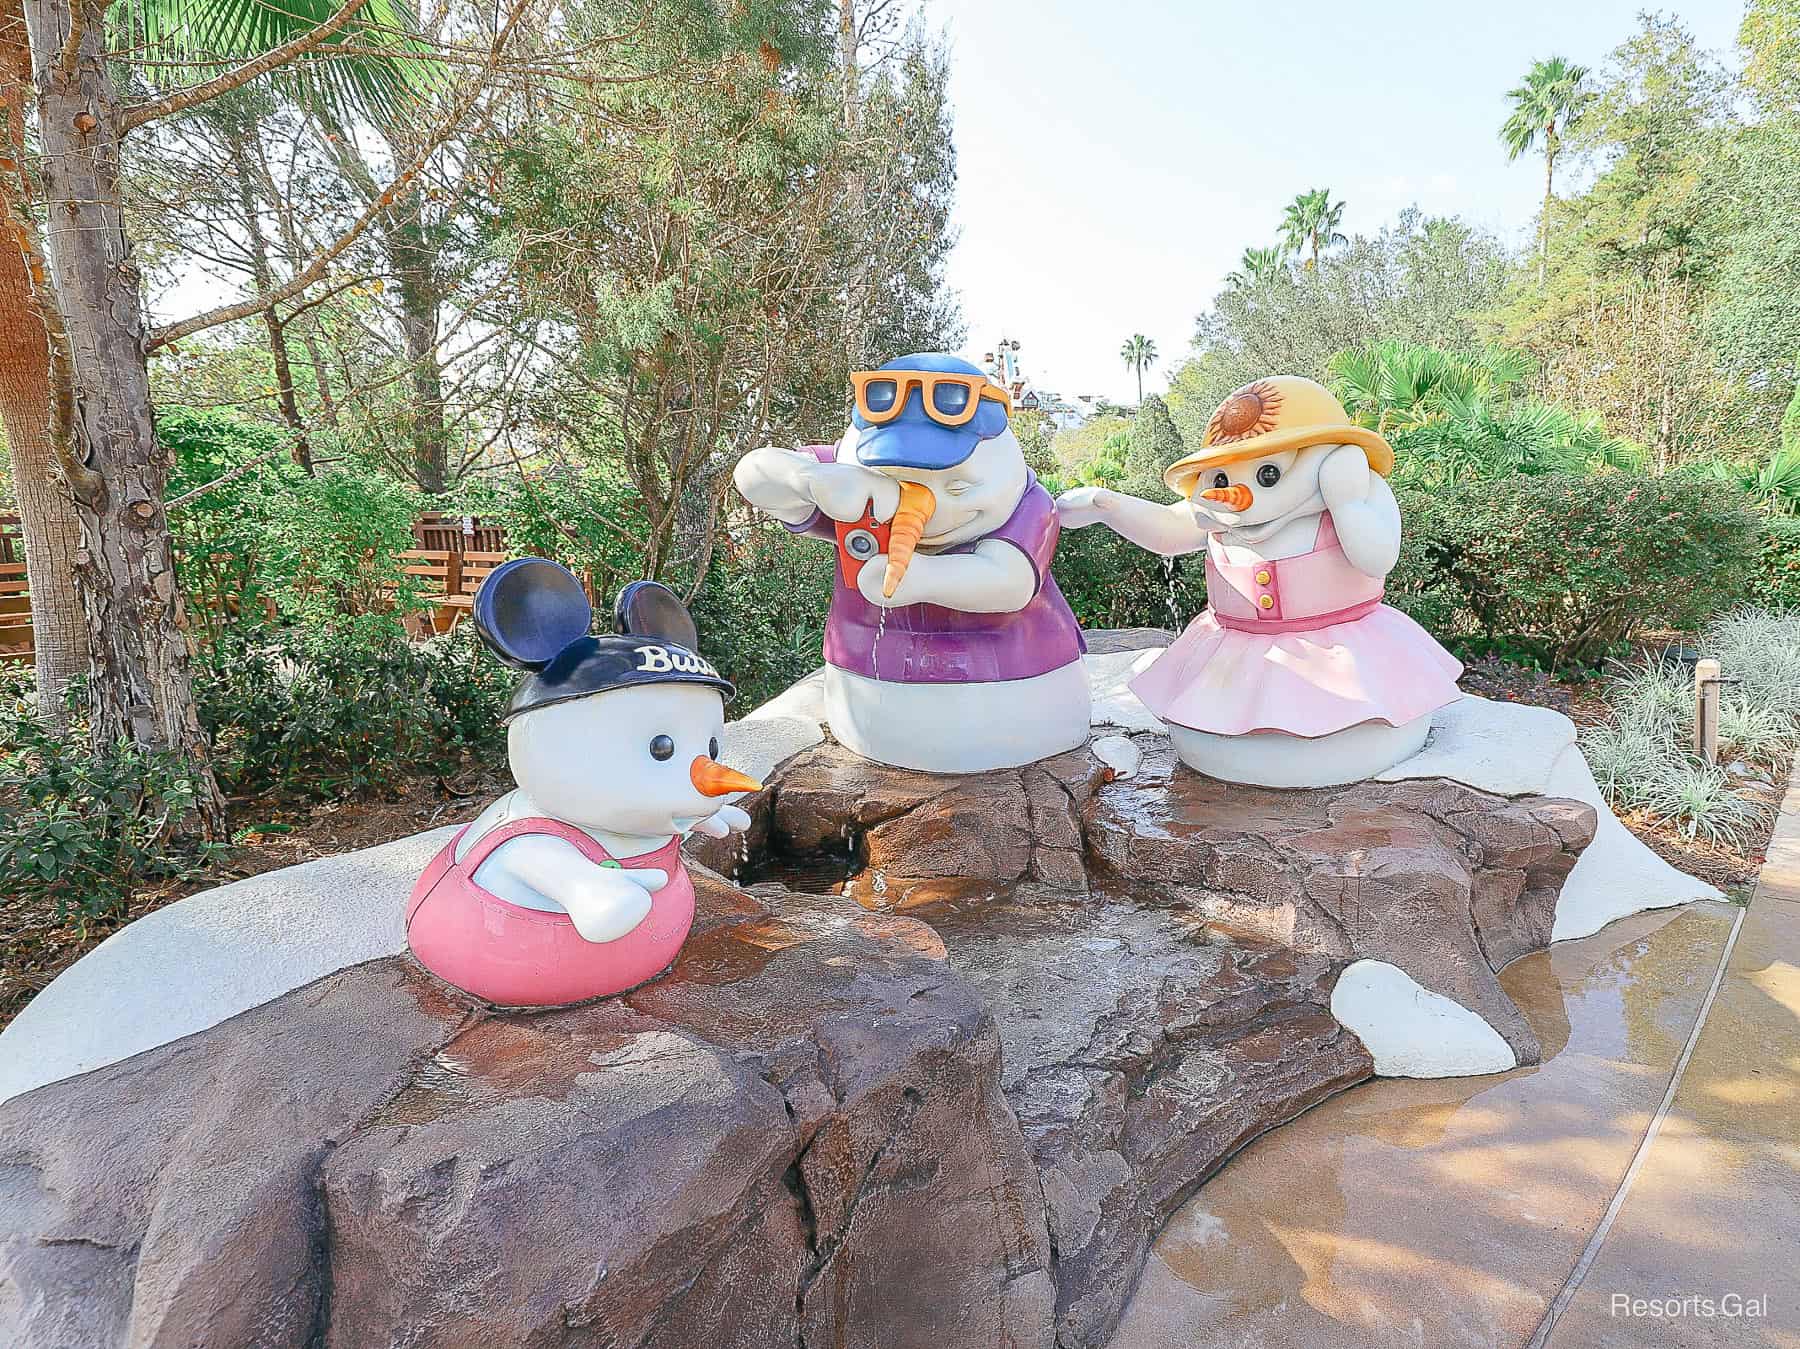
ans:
(1593, 1201)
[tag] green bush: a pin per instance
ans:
(328, 713)
(1776, 579)
(761, 612)
(79, 830)
(333, 546)
(1566, 569)
(1111, 583)
(588, 517)
(320, 550)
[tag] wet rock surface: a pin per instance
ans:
(1445, 882)
(949, 1106)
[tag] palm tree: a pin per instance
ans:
(1259, 267)
(1549, 101)
(1138, 353)
(1310, 224)
(46, 512)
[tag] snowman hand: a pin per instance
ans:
(1082, 506)
(845, 491)
(723, 822)
(607, 903)
(1344, 477)
(911, 589)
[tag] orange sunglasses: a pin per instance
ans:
(950, 399)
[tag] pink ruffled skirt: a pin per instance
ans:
(1380, 667)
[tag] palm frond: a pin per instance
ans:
(377, 62)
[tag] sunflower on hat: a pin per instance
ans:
(1267, 416)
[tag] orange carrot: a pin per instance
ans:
(916, 506)
(1236, 497)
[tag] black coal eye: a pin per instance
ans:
(1220, 480)
(1268, 475)
(661, 747)
(712, 748)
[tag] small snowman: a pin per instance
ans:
(948, 647)
(1296, 674)
(572, 886)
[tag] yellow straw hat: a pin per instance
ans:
(1282, 412)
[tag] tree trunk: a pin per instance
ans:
(264, 278)
(1544, 220)
(410, 256)
(46, 510)
(139, 685)
(856, 304)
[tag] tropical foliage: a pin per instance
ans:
(1544, 108)
(1311, 223)
(1139, 354)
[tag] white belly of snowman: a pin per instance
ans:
(960, 727)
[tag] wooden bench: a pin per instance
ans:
(451, 581)
(17, 641)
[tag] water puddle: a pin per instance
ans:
(1457, 1204)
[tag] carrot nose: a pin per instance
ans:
(916, 505)
(1236, 497)
(712, 778)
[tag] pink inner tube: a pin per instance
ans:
(513, 956)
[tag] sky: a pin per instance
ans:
(1115, 157)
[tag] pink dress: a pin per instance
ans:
(518, 957)
(1301, 645)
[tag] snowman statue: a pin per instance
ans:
(948, 647)
(1295, 674)
(572, 886)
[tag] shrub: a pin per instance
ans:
(334, 542)
(1111, 583)
(327, 713)
(761, 612)
(79, 830)
(1569, 568)
(319, 550)
(587, 516)
(220, 535)
(1641, 755)
(1775, 583)
(1698, 798)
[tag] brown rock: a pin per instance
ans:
(1141, 1049)
(800, 1128)
(1445, 882)
(832, 1122)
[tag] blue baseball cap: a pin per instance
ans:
(914, 439)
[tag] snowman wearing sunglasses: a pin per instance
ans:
(949, 647)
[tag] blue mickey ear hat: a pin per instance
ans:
(534, 615)
(913, 439)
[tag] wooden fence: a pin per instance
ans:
(16, 642)
(454, 555)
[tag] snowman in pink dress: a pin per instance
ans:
(1296, 674)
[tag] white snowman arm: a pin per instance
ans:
(997, 578)
(1363, 510)
(1170, 530)
(604, 903)
(791, 484)
(722, 822)
(775, 481)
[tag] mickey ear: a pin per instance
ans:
(529, 609)
(649, 609)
